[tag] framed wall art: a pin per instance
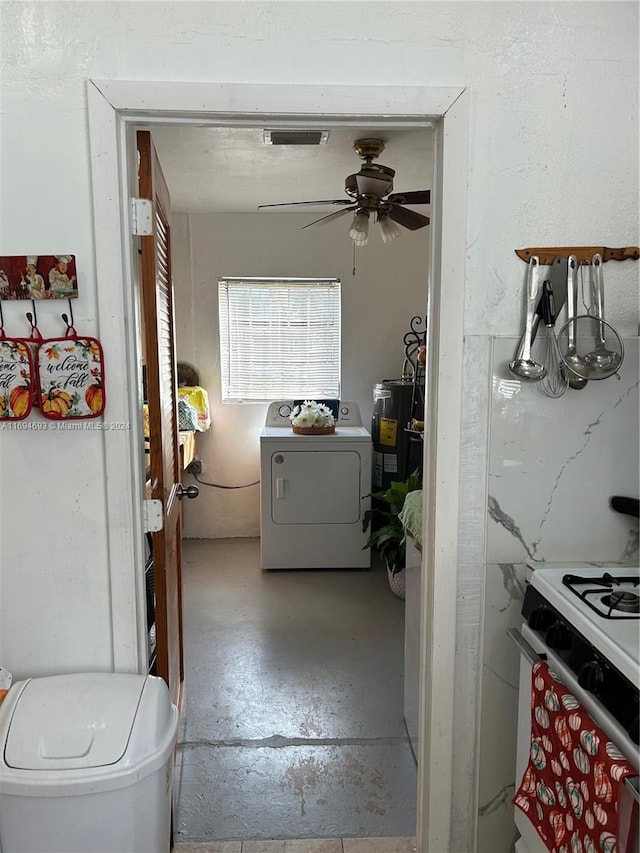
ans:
(38, 277)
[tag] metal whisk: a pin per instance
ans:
(555, 382)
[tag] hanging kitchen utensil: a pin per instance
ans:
(523, 366)
(597, 344)
(571, 358)
(16, 377)
(71, 376)
(558, 278)
(554, 384)
(601, 359)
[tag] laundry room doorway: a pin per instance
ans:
(320, 656)
(122, 104)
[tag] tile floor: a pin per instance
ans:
(293, 725)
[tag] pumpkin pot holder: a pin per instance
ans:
(71, 377)
(17, 378)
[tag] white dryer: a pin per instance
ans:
(314, 492)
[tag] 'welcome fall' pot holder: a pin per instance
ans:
(71, 377)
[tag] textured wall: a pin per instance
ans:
(377, 305)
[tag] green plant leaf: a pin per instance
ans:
(375, 514)
(388, 534)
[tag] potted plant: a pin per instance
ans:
(388, 535)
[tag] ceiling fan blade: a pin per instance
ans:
(368, 185)
(325, 201)
(323, 220)
(414, 197)
(409, 218)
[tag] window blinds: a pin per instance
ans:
(279, 338)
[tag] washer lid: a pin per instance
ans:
(342, 434)
(66, 722)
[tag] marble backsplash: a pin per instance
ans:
(553, 465)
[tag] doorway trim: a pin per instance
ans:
(114, 107)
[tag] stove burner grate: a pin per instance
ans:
(621, 603)
(627, 602)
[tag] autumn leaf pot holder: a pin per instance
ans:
(71, 377)
(17, 378)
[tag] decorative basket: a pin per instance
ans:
(397, 582)
(313, 430)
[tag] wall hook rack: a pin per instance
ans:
(65, 318)
(32, 317)
(584, 254)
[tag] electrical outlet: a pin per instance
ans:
(194, 467)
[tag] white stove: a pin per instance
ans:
(603, 605)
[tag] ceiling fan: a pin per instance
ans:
(370, 192)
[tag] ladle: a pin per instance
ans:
(601, 360)
(523, 366)
(576, 367)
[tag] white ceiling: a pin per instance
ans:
(231, 170)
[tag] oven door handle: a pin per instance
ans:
(526, 648)
(633, 784)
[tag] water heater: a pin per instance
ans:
(395, 454)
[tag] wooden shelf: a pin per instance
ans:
(584, 254)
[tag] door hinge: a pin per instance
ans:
(152, 516)
(141, 217)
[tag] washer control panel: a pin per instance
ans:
(278, 414)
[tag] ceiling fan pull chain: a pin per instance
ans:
(353, 271)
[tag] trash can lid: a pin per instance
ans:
(65, 722)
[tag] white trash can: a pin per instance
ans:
(86, 763)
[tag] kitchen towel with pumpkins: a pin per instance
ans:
(71, 377)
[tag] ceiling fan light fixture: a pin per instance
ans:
(389, 229)
(359, 231)
(369, 190)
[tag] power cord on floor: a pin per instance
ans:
(195, 467)
(219, 486)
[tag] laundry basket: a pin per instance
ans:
(86, 764)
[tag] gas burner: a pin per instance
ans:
(628, 602)
(621, 603)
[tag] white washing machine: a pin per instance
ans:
(314, 492)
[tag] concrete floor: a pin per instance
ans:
(293, 724)
(305, 845)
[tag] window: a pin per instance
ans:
(279, 338)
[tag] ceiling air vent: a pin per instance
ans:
(295, 137)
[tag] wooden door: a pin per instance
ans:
(164, 458)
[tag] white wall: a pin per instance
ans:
(553, 160)
(389, 288)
